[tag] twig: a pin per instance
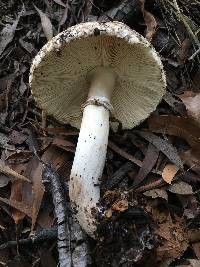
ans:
(195, 54)
(154, 184)
(8, 171)
(44, 119)
(182, 18)
(64, 233)
(40, 236)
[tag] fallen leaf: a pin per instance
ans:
(62, 142)
(8, 32)
(182, 53)
(124, 154)
(178, 126)
(9, 172)
(149, 161)
(175, 103)
(4, 142)
(155, 193)
(27, 46)
(194, 235)
(22, 87)
(163, 146)
(192, 103)
(169, 172)
(18, 205)
(191, 157)
(64, 15)
(19, 156)
(62, 131)
(150, 22)
(181, 188)
(34, 171)
(46, 24)
(196, 248)
(175, 239)
(4, 180)
(59, 2)
(16, 138)
(16, 194)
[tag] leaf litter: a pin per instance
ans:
(150, 183)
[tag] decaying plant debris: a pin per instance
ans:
(150, 186)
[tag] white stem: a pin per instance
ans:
(91, 150)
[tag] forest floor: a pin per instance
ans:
(151, 183)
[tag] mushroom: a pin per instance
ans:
(86, 73)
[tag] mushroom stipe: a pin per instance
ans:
(81, 76)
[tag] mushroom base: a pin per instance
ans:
(89, 160)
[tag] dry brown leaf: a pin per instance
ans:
(120, 205)
(163, 146)
(18, 205)
(46, 24)
(149, 161)
(124, 154)
(196, 248)
(17, 138)
(150, 22)
(27, 46)
(178, 126)
(192, 158)
(169, 172)
(4, 180)
(61, 131)
(181, 188)
(62, 142)
(182, 53)
(155, 193)
(16, 194)
(4, 142)
(59, 2)
(175, 239)
(19, 156)
(8, 32)
(192, 102)
(34, 169)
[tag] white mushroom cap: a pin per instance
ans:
(59, 80)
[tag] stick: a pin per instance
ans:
(40, 236)
(64, 233)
